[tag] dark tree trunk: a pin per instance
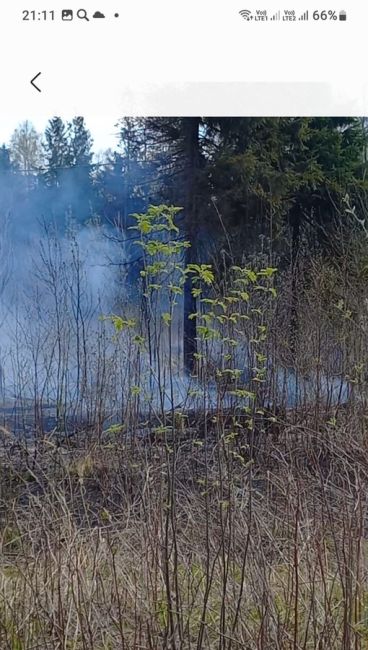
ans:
(191, 153)
(295, 223)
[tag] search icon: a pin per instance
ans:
(82, 14)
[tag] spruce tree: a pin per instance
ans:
(57, 151)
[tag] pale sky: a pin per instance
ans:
(103, 130)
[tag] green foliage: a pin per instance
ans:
(238, 312)
(158, 218)
(167, 318)
(120, 323)
(200, 273)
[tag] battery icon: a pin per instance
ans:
(342, 15)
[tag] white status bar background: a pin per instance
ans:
(170, 58)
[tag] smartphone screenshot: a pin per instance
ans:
(183, 326)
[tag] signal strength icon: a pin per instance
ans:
(304, 16)
(246, 14)
(276, 16)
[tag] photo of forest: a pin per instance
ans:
(184, 384)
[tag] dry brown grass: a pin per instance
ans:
(188, 545)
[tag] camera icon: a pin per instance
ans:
(67, 14)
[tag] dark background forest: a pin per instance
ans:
(285, 188)
(281, 179)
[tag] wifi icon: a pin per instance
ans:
(246, 14)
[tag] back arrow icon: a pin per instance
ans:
(33, 80)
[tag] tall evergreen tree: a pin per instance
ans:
(57, 151)
(79, 176)
(80, 148)
(8, 181)
(5, 162)
(191, 166)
